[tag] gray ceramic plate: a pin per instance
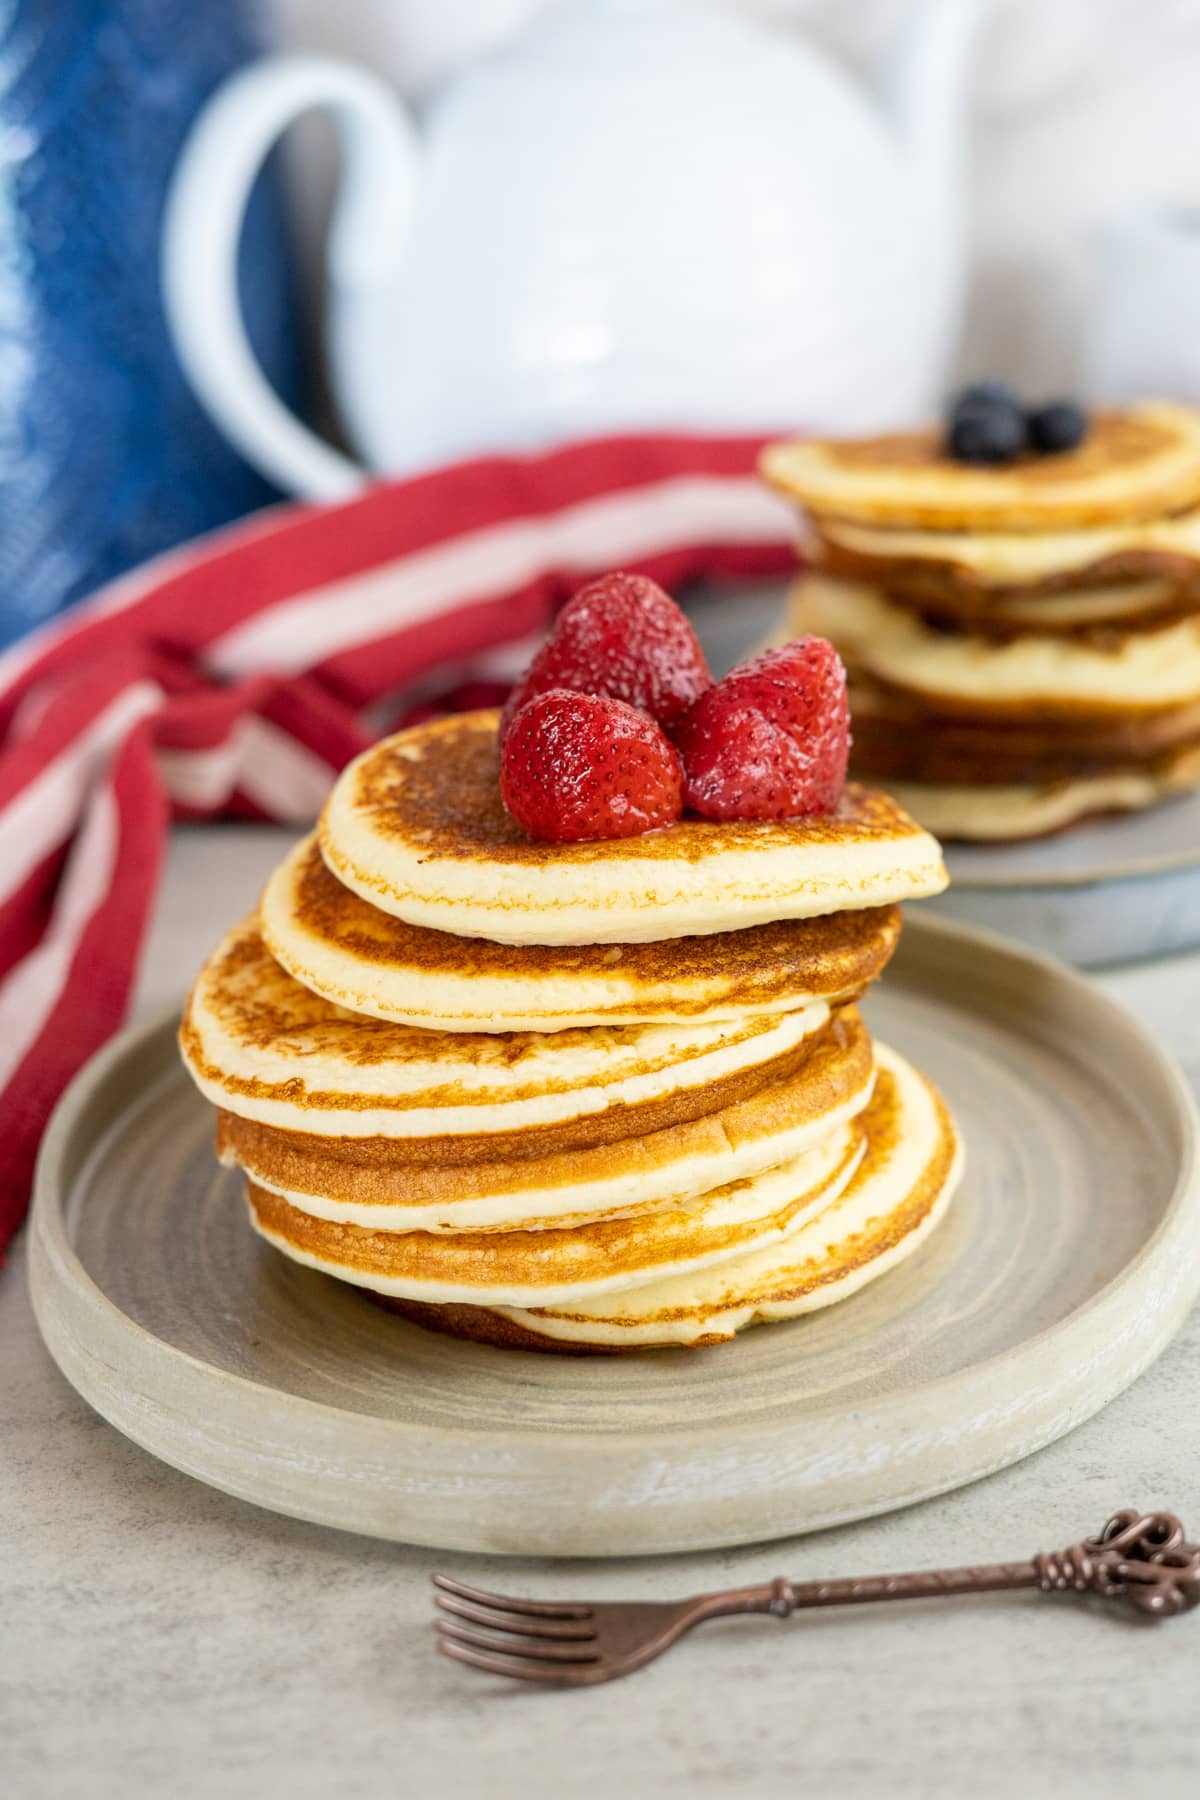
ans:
(1070, 1258)
(1116, 890)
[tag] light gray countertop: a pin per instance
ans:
(159, 1638)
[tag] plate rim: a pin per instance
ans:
(56, 1269)
(1184, 861)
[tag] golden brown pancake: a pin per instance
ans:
(961, 674)
(898, 737)
(416, 826)
(260, 1044)
(938, 764)
(572, 1261)
(897, 1196)
(1132, 465)
(998, 813)
(351, 953)
(1089, 614)
(529, 1178)
(941, 760)
(980, 569)
(1100, 620)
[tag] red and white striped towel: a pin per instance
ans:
(237, 675)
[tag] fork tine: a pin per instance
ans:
(522, 1668)
(539, 1649)
(544, 1609)
(523, 1624)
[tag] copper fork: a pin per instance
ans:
(1141, 1559)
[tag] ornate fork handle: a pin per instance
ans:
(1141, 1559)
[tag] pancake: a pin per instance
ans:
(1077, 612)
(901, 738)
(894, 1201)
(1132, 465)
(416, 826)
(995, 814)
(1092, 614)
(1059, 676)
(339, 946)
(981, 564)
(259, 1044)
(575, 1263)
(491, 1184)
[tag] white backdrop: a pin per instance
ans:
(1083, 109)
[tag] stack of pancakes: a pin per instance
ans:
(572, 1096)
(1023, 641)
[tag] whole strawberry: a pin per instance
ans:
(623, 637)
(771, 740)
(580, 766)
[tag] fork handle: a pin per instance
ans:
(784, 1597)
(1139, 1558)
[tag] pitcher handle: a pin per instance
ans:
(202, 224)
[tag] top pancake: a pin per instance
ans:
(416, 826)
(350, 952)
(1132, 465)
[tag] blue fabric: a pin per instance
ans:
(105, 457)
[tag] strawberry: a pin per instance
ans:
(623, 637)
(772, 739)
(577, 766)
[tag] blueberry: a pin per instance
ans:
(1061, 425)
(983, 394)
(987, 434)
(986, 423)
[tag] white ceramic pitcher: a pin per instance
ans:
(642, 214)
(1142, 323)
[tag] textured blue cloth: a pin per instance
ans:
(105, 457)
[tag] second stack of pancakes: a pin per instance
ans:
(1022, 642)
(639, 1138)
